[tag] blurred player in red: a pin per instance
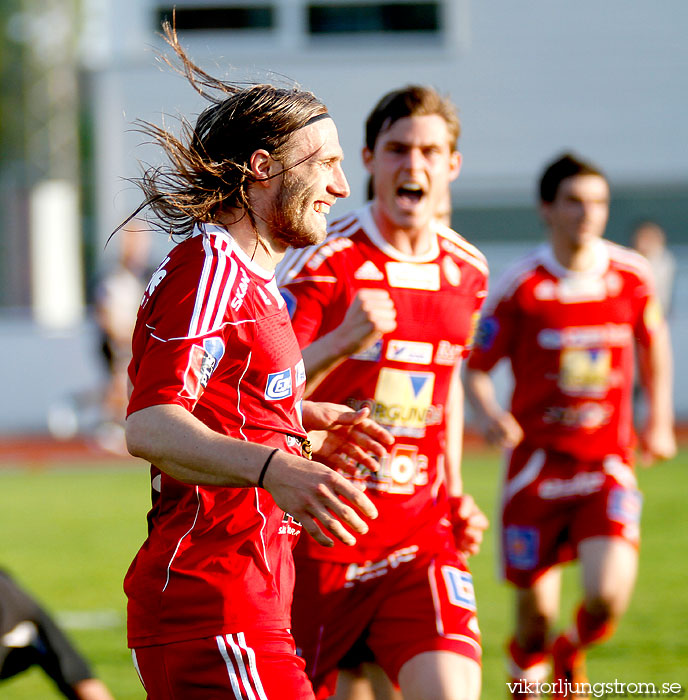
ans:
(216, 404)
(569, 317)
(384, 311)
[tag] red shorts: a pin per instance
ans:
(261, 665)
(399, 607)
(552, 502)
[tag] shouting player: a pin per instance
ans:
(216, 407)
(568, 317)
(384, 311)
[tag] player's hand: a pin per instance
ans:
(468, 523)
(657, 443)
(370, 315)
(317, 497)
(502, 430)
(344, 438)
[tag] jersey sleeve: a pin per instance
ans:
(649, 316)
(480, 295)
(495, 333)
(175, 351)
(312, 297)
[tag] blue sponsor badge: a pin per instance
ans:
(459, 585)
(289, 300)
(203, 361)
(487, 332)
(625, 506)
(278, 386)
(521, 547)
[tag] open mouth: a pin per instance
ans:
(410, 193)
(322, 207)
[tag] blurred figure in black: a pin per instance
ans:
(29, 637)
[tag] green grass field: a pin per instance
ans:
(70, 533)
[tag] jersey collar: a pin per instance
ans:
(597, 269)
(205, 229)
(372, 231)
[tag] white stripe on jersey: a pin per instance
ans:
(242, 677)
(512, 278)
(136, 666)
(181, 539)
(208, 314)
(631, 260)
(222, 646)
(295, 259)
(465, 250)
(262, 530)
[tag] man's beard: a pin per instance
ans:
(288, 220)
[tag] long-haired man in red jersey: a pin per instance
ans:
(384, 310)
(569, 317)
(216, 402)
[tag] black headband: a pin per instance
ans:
(317, 118)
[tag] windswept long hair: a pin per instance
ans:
(209, 163)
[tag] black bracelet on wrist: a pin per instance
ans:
(265, 467)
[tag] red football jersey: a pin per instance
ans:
(213, 335)
(405, 377)
(570, 339)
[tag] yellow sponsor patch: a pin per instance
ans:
(403, 399)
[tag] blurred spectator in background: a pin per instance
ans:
(117, 299)
(649, 240)
(29, 637)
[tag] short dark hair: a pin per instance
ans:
(411, 101)
(567, 165)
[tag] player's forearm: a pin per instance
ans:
(480, 392)
(656, 373)
(455, 425)
(186, 449)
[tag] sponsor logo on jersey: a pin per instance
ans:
(358, 573)
(413, 275)
(459, 586)
(521, 547)
(572, 290)
(371, 354)
(289, 526)
(300, 374)
(625, 505)
(155, 279)
(582, 484)
(584, 372)
(586, 416)
(368, 271)
(452, 272)
(242, 288)
(400, 471)
(607, 335)
(488, 327)
(448, 354)
(414, 353)
(327, 251)
(403, 400)
(203, 361)
(652, 315)
(266, 299)
(278, 385)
